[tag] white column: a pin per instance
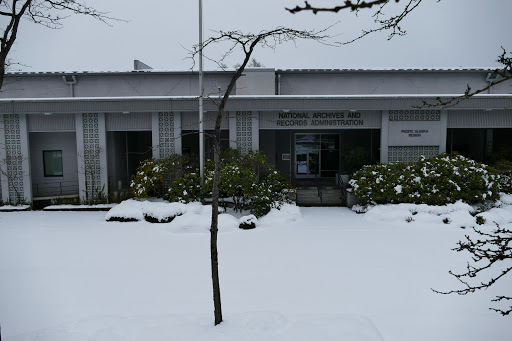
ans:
(384, 136)
(232, 130)
(177, 133)
(255, 130)
(80, 152)
(25, 162)
(102, 132)
(91, 144)
(155, 134)
(15, 159)
(3, 165)
(444, 131)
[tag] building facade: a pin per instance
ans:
(71, 133)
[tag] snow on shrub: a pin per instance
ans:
(444, 179)
(154, 212)
(250, 182)
(150, 180)
(247, 222)
(128, 210)
(186, 189)
(504, 169)
(286, 214)
(174, 178)
(162, 212)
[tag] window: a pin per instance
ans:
(52, 160)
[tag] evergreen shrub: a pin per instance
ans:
(504, 169)
(250, 182)
(162, 178)
(443, 179)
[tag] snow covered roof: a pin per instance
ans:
(152, 71)
(446, 69)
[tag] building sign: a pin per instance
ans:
(414, 133)
(320, 120)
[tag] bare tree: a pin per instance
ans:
(49, 13)
(488, 251)
(383, 21)
(247, 43)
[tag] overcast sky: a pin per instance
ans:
(449, 33)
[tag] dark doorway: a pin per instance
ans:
(127, 149)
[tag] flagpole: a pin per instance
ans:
(201, 127)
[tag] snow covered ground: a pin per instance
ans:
(308, 274)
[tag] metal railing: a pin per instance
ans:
(319, 188)
(342, 185)
(57, 188)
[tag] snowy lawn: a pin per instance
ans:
(327, 274)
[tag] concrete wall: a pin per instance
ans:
(384, 82)
(112, 85)
(256, 81)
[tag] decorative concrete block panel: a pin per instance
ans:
(14, 158)
(408, 154)
(92, 154)
(166, 134)
(415, 115)
(244, 131)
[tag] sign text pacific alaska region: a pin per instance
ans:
(316, 119)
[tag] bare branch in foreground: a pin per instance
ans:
(501, 75)
(492, 251)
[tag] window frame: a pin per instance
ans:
(45, 171)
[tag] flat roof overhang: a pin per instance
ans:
(247, 103)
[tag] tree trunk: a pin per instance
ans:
(215, 222)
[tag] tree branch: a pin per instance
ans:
(495, 247)
(353, 6)
(503, 74)
(43, 12)
(384, 22)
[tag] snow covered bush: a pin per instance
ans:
(444, 179)
(504, 169)
(162, 178)
(250, 182)
(162, 212)
(186, 189)
(150, 180)
(247, 222)
(151, 211)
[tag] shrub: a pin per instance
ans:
(444, 179)
(504, 169)
(154, 177)
(480, 220)
(150, 180)
(250, 182)
(247, 222)
(186, 189)
(150, 218)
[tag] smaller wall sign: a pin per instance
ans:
(414, 133)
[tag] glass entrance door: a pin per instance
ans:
(308, 162)
(316, 154)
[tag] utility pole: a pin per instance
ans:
(201, 126)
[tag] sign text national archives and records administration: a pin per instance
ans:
(319, 120)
